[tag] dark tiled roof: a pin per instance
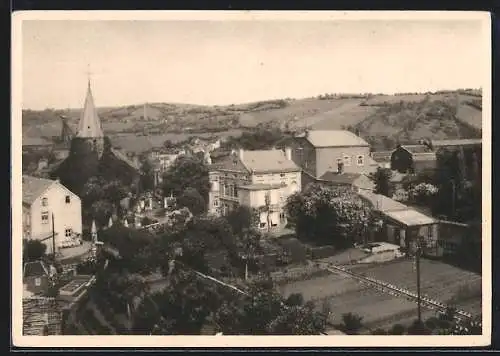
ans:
(344, 178)
(33, 187)
(417, 148)
(35, 269)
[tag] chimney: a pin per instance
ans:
(288, 153)
(340, 167)
(241, 154)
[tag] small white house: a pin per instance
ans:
(44, 198)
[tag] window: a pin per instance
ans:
(282, 175)
(347, 160)
(68, 232)
(45, 217)
(45, 202)
(38, 282)
(68, 199)
(236, 191)
(262, 225)
(216, 202)
(360, 160)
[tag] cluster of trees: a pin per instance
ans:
(452, 190)
(101, 199)
(33, 250)
(187, 179)
(189, 303)
(330, 215)
(259, 139)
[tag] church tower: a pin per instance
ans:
(89, 128)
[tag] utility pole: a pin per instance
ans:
(418, 254)
(53, 240)
(419, 309)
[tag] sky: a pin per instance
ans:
(231, 62)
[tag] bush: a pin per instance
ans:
(351, 323)
(397, 329)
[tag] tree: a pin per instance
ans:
(381, 178)
(248, 243)
(264, 312)
(241, 218)
(202, 237)
(101, 211)
(147, 180)
(114, 192)
(351, 323)
(330, 215)
(182, 308)
(193, 200)
(186, 172)
(33, 250)
(397, 329)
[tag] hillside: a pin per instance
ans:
(398, 117)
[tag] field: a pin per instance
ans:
(380, 310)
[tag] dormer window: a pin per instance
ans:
(45, 202)
(360, 160)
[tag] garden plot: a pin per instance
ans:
(439, 281)
(344, 294)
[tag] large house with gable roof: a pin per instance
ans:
(319, 152)
(43, 198)
(261, 179)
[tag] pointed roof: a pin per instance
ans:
(90, 124)
(94, 228)
(66, 132)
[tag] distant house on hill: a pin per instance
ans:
(412, 158)
(320, 151)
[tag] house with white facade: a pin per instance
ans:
(261, 179)
(44, 199)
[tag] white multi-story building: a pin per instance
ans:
(44, 198)
(262, 180)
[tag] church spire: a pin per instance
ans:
(90, 124)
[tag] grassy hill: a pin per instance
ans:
(401, 117)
